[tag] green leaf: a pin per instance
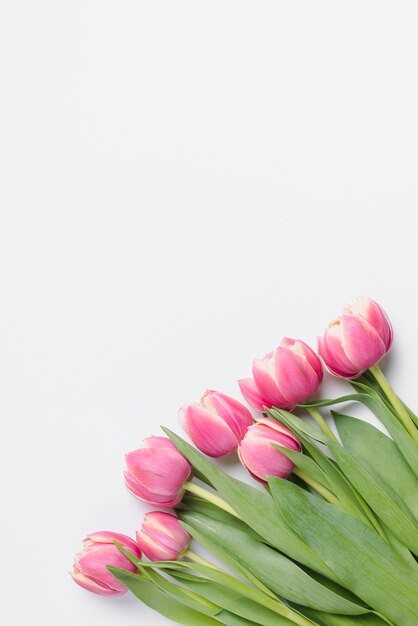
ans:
(255, 508)
(370, 445)
(373, 401)
(233, 601)
(195, 503)
(227, 580)
(382, 499)
(367, 382)
(405, 443)
(327, 619)
(305, 463)
(362, 560)
(293, 421)
(191, 599)
(160, 601)
(350, 499)
(230, 619)
(276, 571)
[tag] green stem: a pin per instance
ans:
(395, 402)
(316, 415)
(323, 491)
(196, 558)
(210, 497)
(192, 556)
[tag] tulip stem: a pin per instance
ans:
(192, 556)
(210, 497)
(316, 415)
(397, 404)
(323, 491)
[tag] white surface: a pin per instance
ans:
(181, 184)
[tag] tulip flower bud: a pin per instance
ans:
(216, 424)
(258, 455)
(156, 472)
(356, 340)
(90, 565)
(162, 538)
(284, 378)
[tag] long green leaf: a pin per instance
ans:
(233, 601)
(195, 503)
(160, 601)
(305, 463)
(368, 382)
(192, 601)
(201, 506)
(230, 619)
(350, 499)
(275, 570)
(406, 445)
(190, 598)
(378, 451)
(382, 499)
(363, 561)
(327, 619)
(295, 422)
(230, 582)
(255, 508)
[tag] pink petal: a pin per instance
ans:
(155, 499)
(90, 585)
(328, 360)
(208, 431)
(295, 377)
(235, 414)
(105, 536)
(262, 460)
(252, 394)
(303, 350)
(93, 565)
(376, 317)
(270, 429)
(162, 472)
(157, 551)
(361, 343)
(264, 377)
(260, 457)
(166, 522)
(333, 353)
(158, 442)
(162, 537)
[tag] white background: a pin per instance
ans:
(181, 184)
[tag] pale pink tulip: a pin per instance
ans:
(90, 571)
(258, 455)
(356, 340)
(284, 378)
(156, 472)
(162, 537)
(216, 424)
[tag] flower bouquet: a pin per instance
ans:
(328, 533)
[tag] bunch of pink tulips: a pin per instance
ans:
(340, 486)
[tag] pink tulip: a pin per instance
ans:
(162, 537)
(284, 378)
(356, 340)
(156, 472)
(216, 424)
(258, 455)
(89, 570)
